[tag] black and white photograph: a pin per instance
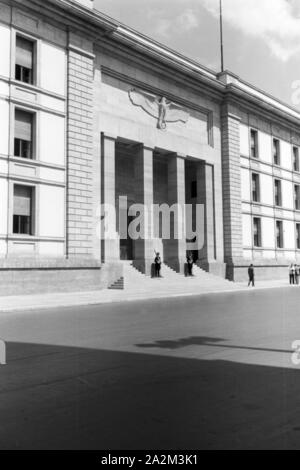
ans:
(149, 228)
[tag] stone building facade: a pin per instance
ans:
(92, 111)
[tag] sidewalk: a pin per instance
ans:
(71, 299)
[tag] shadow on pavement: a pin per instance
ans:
(203, 341)
(56, 397)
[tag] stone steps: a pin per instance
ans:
(117, 285)
(170, 282)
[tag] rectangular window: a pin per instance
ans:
(23, 134)
(24, 60)
(257, 232)
(277, 189)
(276, 152)
(296, 158)
(297, 197)
(279, 234)
(254, 143)
(23, 207)
(298, 236)
(255, 188)
(194, 189)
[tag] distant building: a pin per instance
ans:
(83, 122)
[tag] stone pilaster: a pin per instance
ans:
(209, 194)
(144, 250)
(175, 249)
(79, 148)
(232, 206)
(110, 247)
(205, 196)
(97, 178)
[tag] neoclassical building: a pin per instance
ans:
(91, 111)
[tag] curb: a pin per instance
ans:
(83, 303)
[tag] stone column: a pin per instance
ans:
(143, 248)
(175, 249)
(110, 247)
(205, 196)
(232, 206)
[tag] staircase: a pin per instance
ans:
(171, 282)
(117, 285)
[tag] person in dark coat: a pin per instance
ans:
(296, 267)
(292, 274)
(190, 262)
(157, 264)
(251, 275)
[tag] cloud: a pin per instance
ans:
(163, 27)
(187, 20)
(167, 26)
(276, 22)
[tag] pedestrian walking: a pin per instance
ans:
(297, 272)
(157, 263)
(292, 274)
(251, 275)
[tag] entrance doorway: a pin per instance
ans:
(126, 245)
(126, 187)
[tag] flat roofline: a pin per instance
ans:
(123, 30)
(234, 81)
(123, 33)
(269, 99)
(164, 50)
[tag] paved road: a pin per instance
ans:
(188, 373)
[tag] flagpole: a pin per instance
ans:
(221, 37)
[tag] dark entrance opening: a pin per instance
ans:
(126, 188)
(127, 245)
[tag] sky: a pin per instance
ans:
(261, 37)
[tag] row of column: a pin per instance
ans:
(174, 249)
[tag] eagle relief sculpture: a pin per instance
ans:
(158, 107)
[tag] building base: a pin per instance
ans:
(263, 270)
(213, 267)
(21, 276)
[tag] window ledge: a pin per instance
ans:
(35, 161)
(36, 89)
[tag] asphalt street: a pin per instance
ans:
(209, 372)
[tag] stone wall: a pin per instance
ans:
(80, 152)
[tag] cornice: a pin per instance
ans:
(80, 51)
(161, 52)
(214, 91)
(234, 95)
(101, 29)
(68, 15)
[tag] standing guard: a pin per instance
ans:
(157, 263)
(190, 262)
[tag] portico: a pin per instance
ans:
(133, 173)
